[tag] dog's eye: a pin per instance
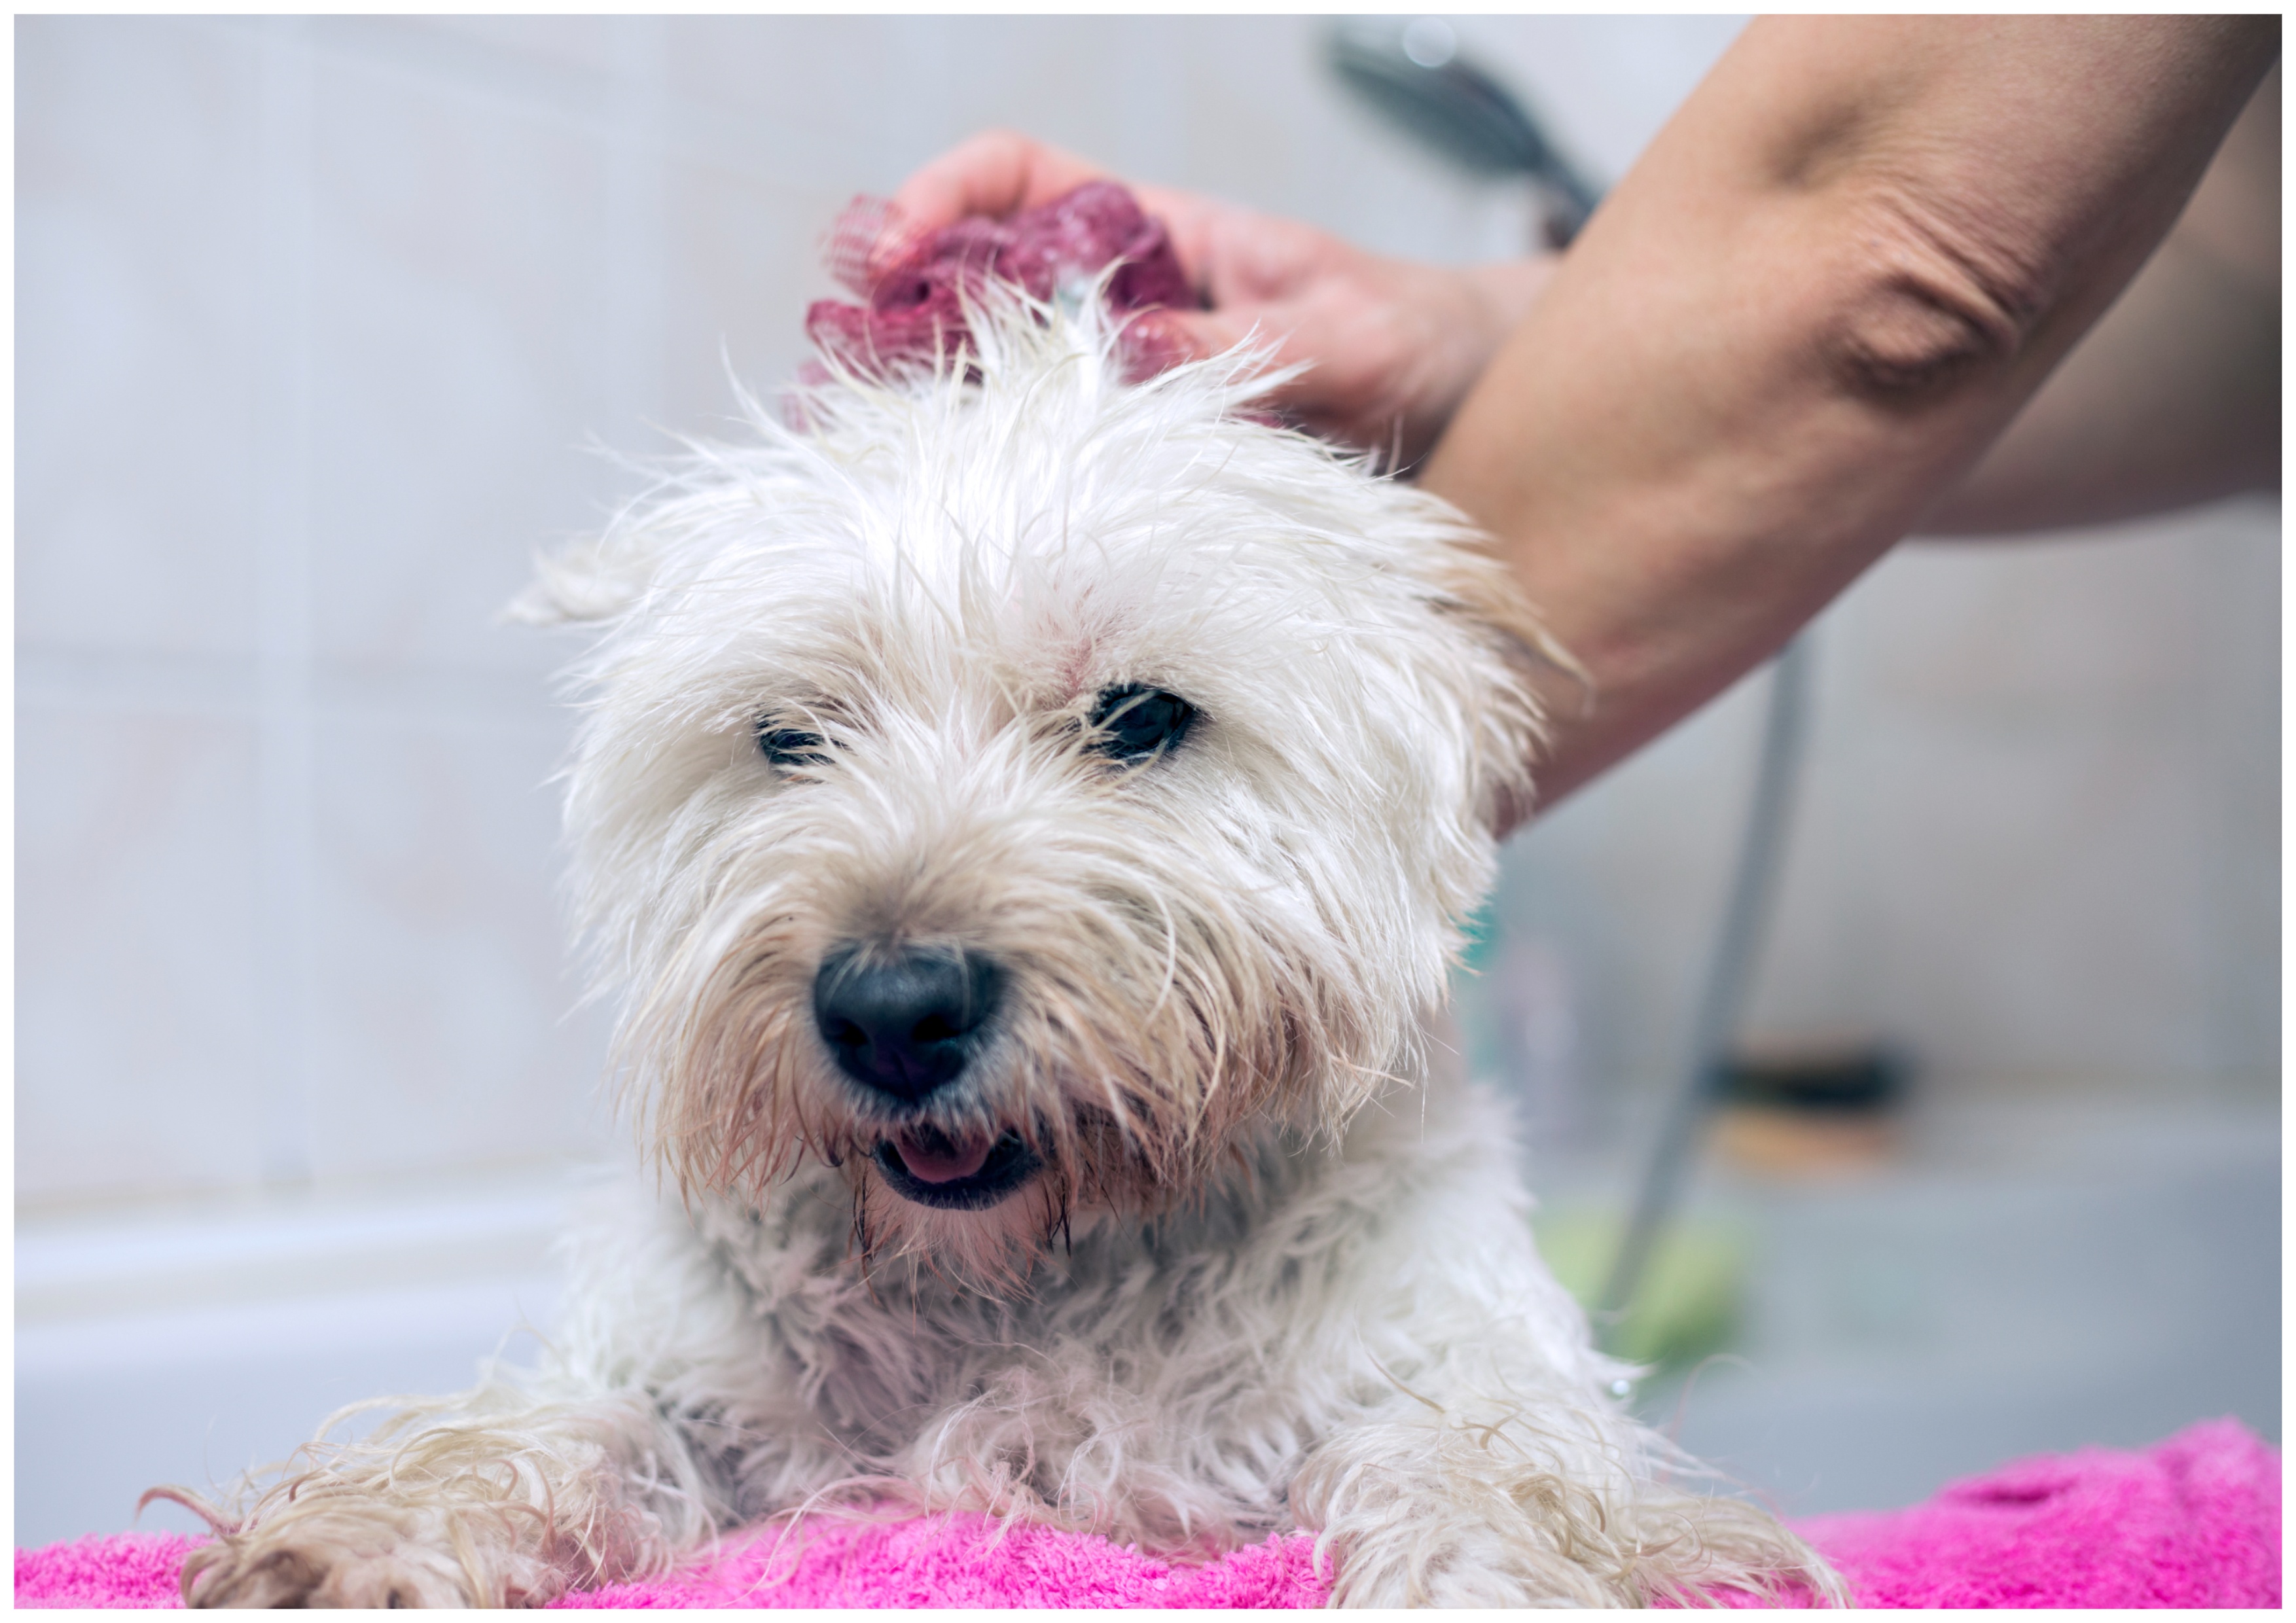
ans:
(1133, 722)
(791, 746)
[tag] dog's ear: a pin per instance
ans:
(592, 581)
(1472, 582)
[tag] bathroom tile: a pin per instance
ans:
(1073, 81)
(593, 46)
(841, 75)
(445, 1027)
(461, 358)
(1628, 880)
(742, 261)
(2240, 723)
(867, 99)
(141, 1053)
(2033, 903)
(138, 333)
(2000, 631)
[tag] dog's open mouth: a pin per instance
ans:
(925, 1165)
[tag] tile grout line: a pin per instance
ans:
(285, 791)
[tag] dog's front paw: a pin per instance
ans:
(295, 1572)
(355, 1553)
(1469, 1566)
(337, 1557)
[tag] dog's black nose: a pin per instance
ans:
(908, 1020)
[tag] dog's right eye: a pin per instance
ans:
(791, 746)
(1134, 722)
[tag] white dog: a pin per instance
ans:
(1029, 816)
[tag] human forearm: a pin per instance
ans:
(1839, 271)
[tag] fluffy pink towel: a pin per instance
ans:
(2192, 1521)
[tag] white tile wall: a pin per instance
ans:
(319, 324)
(459, 255)
(443, 988)
(2012, 852)
(137, 279)
(139, 1058)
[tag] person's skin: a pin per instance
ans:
(1838, 273)
(2174, 396)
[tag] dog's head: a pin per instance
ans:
(1019, 783)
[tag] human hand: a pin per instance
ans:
(1392, 346)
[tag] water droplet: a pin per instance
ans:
(1430, 42)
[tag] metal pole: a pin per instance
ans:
(1737, 948)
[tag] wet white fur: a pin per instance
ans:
(1278, 1271)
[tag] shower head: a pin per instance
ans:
(1414, 74)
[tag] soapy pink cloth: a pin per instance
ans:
(915, 293)
(2192, 1521)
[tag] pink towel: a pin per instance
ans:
(2192, 1521)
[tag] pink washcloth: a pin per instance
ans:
(2192, 1521)
(915, 292)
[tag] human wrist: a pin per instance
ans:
(1508, 289)
(1470, 313)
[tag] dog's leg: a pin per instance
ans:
(1487, 1502)
(507, 1495)
(671, 1402)
(1477, 1455)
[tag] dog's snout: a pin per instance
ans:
(905, 1021)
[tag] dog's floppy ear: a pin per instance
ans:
(592, 581)
(1472, 582)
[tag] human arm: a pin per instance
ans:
(2174, 396)
(1835, 275)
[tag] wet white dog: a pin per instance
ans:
(1029, 816)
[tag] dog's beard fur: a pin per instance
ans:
(936, 579)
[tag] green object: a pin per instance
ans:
(1473, 998)
(1482, 932)
(1686, 1306)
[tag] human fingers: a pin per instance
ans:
(1285, 336)
(1192, 335)
(1193, 224)
(993, 173)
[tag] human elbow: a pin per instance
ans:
(1931, 308)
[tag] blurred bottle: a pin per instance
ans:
(1810, 1103)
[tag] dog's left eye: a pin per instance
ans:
(791, 746)
(1133, 722)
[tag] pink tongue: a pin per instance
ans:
(940, 1160)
